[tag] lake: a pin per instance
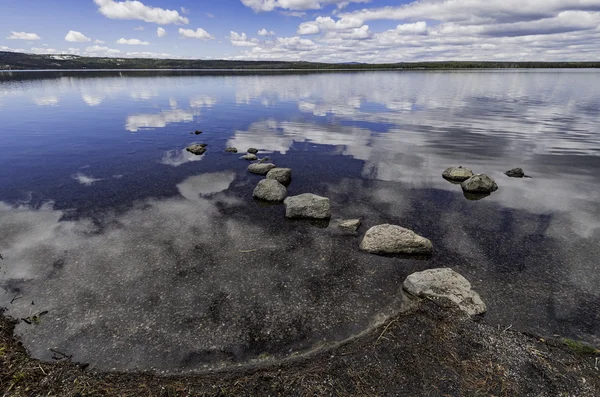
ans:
(148, 257)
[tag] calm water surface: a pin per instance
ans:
(146, 256)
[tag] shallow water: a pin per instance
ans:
(146, 256)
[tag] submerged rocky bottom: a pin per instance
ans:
(429, 350)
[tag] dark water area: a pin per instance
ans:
(149, 257)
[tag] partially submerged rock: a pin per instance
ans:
(249, 157)
(307, 205)
(264, 160)
(231, 150)
(261, 169)
(392, 239)
(516, 173)
(458, 174)
(475, 196)
(349, 225)
(445, 284)
(196, 149)
(197, 132)
(480, 183)
(270, 190)
(252, 150)
(281, 175)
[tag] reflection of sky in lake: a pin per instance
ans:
(136, 246)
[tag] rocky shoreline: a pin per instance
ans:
(430, 350)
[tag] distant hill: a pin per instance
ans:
(21, 61)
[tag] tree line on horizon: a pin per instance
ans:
(22, 61)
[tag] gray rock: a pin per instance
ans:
(249, 157)
(197, 132)
(264, 160)
(480, 183)
(252, 150)
(281, 175)
(231, 150)
(457, 173)
(516, 173)
(445, 284)
(270, 190)
(349, 225)
(196, 149)
(307, 205)
(392, 239)
(260, 169)
(475, 196)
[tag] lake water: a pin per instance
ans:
(148, 257)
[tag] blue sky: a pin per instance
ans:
(311, 30)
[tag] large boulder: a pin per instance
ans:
(281, 175)
(252, 150)
(445, 284)
(480, 183)
(270, 190)
(307, 205)
(261, 168)
(196, 149)
(231, 150)
(392, 239)
(516, 173)
(458, 174)
(249, 157)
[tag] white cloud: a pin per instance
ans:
(475, 11)
(42, 50)
(98, 41)
(197, 34)
(344, 36)
(412, 28)
(148, 54)
(241, 40)
(265, 32)
(297, 14)
(160, 32)
(139, 28)
(184, 10)
(270, 5)
(440, 30)
(23, 36)
(99, 51)
(139, 11)
(211, 16)
(307, 28)
(327, 23)
(76, 37)
(132, 42)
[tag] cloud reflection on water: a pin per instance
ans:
(136, 122)
(186, 265)
(178, 276)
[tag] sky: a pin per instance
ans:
(374, 31)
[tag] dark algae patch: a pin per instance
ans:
(428, 351)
